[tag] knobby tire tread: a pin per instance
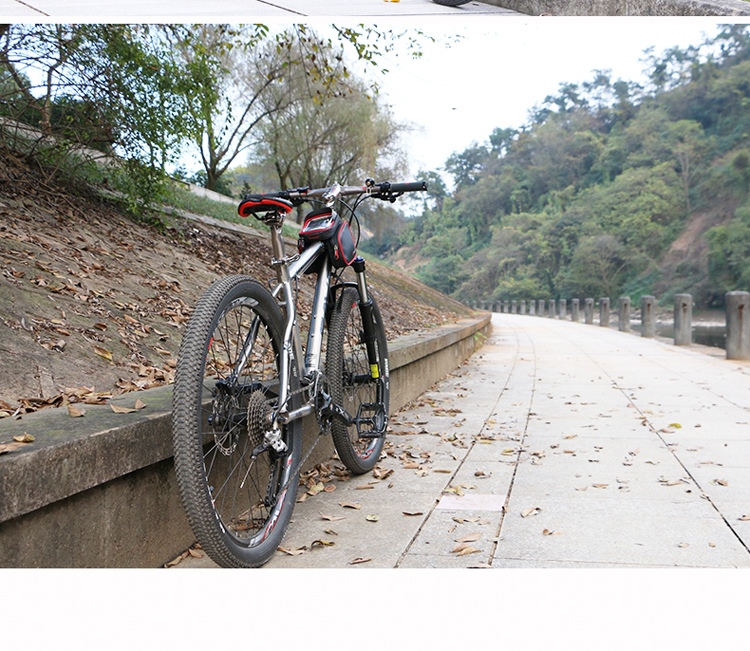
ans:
(188, 447)
(348, 301)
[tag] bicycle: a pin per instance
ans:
(243, 382)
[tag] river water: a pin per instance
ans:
(709, 328)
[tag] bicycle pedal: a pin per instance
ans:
(372, 415)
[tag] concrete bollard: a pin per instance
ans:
(624, 314)
(563, 308)
(648, 316)
(683, 319)
(738, 325)
(604, 312)
(532, 308)
(575, 307)
(588, 311)
(513, 307)
(523, 307)
(540, 307)
(552, 308)
(505, 307)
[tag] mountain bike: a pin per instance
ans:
(243, 382)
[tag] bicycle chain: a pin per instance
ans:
(324, 427)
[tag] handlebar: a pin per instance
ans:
(285, 200)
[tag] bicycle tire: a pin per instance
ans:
(237, 508)
(451, 3)
(346, 358)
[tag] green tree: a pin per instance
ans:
(122, 81)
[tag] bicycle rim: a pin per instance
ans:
(351, 381)
(237, 505)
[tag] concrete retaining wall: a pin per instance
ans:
(100, 491)
(626, 7)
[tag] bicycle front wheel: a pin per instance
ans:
(238, 495)
(355, 385)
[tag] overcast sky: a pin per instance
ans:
(498, 72)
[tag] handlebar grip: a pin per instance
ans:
(416, 186)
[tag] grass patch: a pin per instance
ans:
(190, 202)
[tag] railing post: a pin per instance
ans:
(563, 308)
(738, 325)
(624, 314)
(648, 316)
(575, 309)
(588, 310)
(532, 308)
(523, 307)
(604, 312)
(513, 307)
(683, 319)
(540, 307)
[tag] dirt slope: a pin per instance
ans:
(92, 302)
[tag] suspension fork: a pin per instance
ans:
(366, 309)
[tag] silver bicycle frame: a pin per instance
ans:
(288, 270)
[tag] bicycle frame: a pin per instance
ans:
(306, 367)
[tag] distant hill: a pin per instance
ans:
(612, 188)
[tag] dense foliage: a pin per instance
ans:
(611, 188)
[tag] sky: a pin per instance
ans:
(495, 75)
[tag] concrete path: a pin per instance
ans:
(200, 10)
(558, 444)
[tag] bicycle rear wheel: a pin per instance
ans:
(353, 385)
(226, 387)
(451, 3)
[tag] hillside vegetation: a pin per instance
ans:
(611, 188)
(93, 302)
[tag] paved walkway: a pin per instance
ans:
(233, 9)
(559, 444)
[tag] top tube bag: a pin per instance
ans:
(326, 226)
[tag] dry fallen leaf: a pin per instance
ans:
(75, 412)
(363, 487)
(532, 511)
(292, 552)
(357, 561)
(471, 537)
(139, 404)
(412, 512)
(103, 352)
(322, 543)
(9, 447)
(331, 518)
(468, 550)
(745, 517)
(24, 438)
(317, 488)
(350, 505)
(372, 518)
(121, 410)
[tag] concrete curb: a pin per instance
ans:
(626, 7)
(99, 491)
